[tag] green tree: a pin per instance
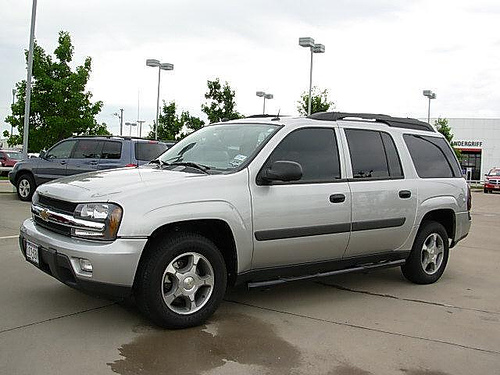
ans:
(174, 127)
(60, 106)
(441, 124)
(319, 102)
(221, 102)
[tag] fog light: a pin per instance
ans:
(85, 265)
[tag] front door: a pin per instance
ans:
(303, 221)
(53, 164)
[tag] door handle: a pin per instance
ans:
(405, 194)
(93, 162)
(337, 198)
(63, 162)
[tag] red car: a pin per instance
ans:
(7, 160)
(492, 180)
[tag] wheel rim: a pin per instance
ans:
(187, 283)
(432, 253)
(24, 188)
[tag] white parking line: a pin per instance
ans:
(8, 237)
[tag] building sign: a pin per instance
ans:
(467, 144)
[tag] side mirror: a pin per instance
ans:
(42, 154)
(282, 170)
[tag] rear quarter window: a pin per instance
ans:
(147, 151)
(432, 157)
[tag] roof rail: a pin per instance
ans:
(398, 122)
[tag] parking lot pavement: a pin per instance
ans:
(356, 324)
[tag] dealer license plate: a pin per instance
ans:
(32, 252)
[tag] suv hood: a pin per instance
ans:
(115, 184)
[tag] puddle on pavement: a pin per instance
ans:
(349, 370)
(230, 337)
(422, 372)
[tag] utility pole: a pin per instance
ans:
(121, 121)
(13, 102)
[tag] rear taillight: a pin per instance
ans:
(131, 165)
(469, 198)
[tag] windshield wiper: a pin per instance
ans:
(191, 164)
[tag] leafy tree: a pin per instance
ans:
(319, 102)
(221, 104)
(175, 127)
(60, 106)
(441, 124)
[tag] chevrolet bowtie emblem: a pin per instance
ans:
(44, 214)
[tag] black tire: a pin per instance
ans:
(485, 191)
(25, 187)
(151, 281)
(414, 269)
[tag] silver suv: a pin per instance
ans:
(254, 201)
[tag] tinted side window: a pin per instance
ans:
(87, 149)
(61, 150)
(147, 151)
(315, 149)
(429, 155)
(111, 150)
(395, 169)
(368, 156)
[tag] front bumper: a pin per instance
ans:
(492, 186)
(114, 263)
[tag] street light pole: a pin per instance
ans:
(431, 95)
(262, 94)
(315, 48)
(28, 83)
(13, 103)
(161, 66)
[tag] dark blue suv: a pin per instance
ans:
(82, 154)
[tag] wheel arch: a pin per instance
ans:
(446, 217)
(216, 230)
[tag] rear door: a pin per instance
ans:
(111, 155)
(384, 203)
(85, 156)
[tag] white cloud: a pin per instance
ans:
(379, 57)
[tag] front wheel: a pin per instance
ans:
(25, 187)
(182, 281)
(429, 254)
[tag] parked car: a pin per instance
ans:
(492, 180)
(8, 158)
(257, 202)
(82, 154)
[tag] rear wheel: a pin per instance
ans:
(182, 281)
(429, 255)
(25, 187)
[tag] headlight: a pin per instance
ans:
(108, 213)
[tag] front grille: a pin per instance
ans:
(493, 181)
(54, 227)
(57, 205)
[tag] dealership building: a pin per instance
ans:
(478, 139)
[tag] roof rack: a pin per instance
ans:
(398, 122)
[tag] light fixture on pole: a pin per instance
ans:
(315, 48)
(262, 94)
(140, 122)
(120, 117)
(430, 95)
(161, 66)
(130, 124)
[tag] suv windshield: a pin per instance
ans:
(223, 147)
(494, 172)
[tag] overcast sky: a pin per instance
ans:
(380, 54)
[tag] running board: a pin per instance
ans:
(368, 267)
